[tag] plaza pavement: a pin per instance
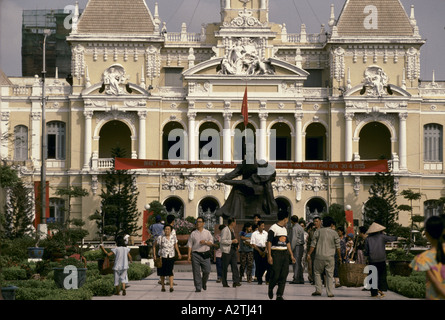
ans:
(149, 289)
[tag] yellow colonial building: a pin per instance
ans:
(348, 93)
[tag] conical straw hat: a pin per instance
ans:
(375, 227)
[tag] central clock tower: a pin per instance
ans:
(231, 8)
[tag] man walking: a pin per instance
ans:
(229, 247)
(199, 244)
(327, 242)
(258, 241)
(278, 252)
(297, 245)
(310, 258)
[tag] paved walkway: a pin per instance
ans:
(149, 289)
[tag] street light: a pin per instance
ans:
(46, 33)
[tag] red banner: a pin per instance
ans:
(352, 166)
(350, 221)
(38, 203)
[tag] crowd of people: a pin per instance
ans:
(318, 248)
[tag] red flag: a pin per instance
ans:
(244, 110)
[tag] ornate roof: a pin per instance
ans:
(116, 17)
(374, 18)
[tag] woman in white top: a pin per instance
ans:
(167, 244)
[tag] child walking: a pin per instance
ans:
(120, 267)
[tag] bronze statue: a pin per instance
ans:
(253, 193)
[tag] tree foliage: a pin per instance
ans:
(119, 214)
(337, 212)
(381, 206)
(17, 219)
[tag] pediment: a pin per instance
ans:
(96, 89)
(214, 67)
(358, 91)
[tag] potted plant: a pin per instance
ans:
(61, 272)
(399, 261)
(183, 228)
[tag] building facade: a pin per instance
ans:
(348, 93)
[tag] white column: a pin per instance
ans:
(4, 130)
(262, 135)
(142, 134)
(87, 140)
(348, 136)
(227, 4)
(35, 136)
(402, 141)
(227, 138)
(298, 137)
(192, 138)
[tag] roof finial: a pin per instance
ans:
(156, 19)
(75, 17)
(412, 18)
(332, 18)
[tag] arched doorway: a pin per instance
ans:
(114, 134)
(284, 205)
(240, 138)
(315, 207)
(375, 142)
(316, 142)
(282, 141)
(177, 143)
(207, 209)
(209, 142)
(174, 206)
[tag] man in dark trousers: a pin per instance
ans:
(229, 248)
(278, 253)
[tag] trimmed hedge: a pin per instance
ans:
(138, 271)
(412, 287)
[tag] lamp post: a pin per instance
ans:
(46, 33)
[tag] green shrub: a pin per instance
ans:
(101, 286)
(17, 249)
(138, 271)
(14, 273)
(411, 287)
(94, 255)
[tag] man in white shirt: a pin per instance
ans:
(258, 241)
(278, 254)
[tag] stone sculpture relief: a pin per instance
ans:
(244, 59)
(113, 78)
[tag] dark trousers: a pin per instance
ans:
(261, 266)
(298, 266)
(382, 284)
(231, 259)
(279, 271)
(200, 264)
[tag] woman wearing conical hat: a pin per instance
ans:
(376, 253)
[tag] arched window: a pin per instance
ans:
(114, 134)
(20, 143)
(239, 141)
(174, 142)
(375, 142)
(432, 139)
(56, 140)
(432, 208)
(315, 142)
(282, 136)
(209, 142)
(175, 206)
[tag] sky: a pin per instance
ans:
(313, 13)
